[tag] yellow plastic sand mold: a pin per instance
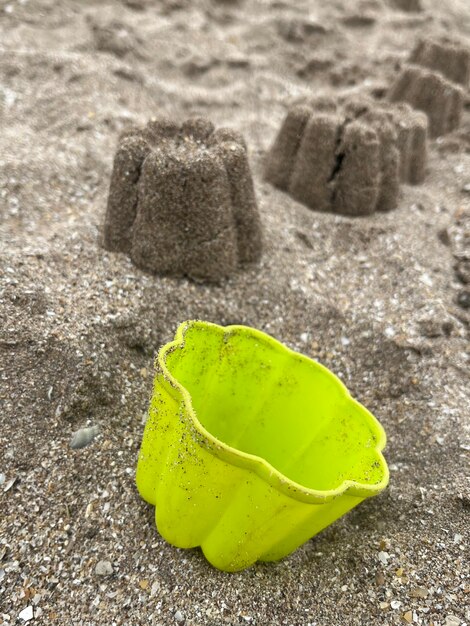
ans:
(250, 448)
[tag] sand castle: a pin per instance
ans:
(411, 128)
(447, 56)
(181, 200)
(434, 81)
(348, 159)
(429, 91)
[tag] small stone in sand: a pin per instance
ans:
(383, 557)
(26, 614)
(84, 437)
(418, 592)
(103, 568)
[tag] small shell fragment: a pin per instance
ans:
(83, 437)
(9, 484)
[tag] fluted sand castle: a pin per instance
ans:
(181, 200)
(434, 81)
(348, 159)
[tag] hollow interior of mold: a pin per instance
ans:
(260, 399)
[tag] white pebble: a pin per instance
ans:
(426, 280)
(155, 588)
(103, 568)
(26, 614)
(383, 557)
(179, 617)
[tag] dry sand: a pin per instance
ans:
(375, 299)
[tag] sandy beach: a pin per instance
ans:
(381, 300)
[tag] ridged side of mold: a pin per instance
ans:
(123, 193)
(281, 157)
(315, 161)
(450, 58)
(430, 92)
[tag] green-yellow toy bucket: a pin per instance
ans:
(250, 448)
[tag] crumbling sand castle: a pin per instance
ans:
(348, 159)
(434, 81)
(411, 133)
(181, 200)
